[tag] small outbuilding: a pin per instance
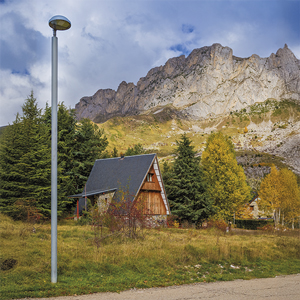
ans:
(138, 177)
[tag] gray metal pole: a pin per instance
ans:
(54, 161)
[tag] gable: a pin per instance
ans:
(151, 181)
(124, 174)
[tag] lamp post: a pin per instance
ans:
(56, 23)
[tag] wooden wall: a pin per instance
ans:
(151, 197)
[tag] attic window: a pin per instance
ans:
(149, 177)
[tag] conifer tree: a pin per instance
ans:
(135, 150)
(90, 144)
(66, 126)
(114, 152)
(10, 177)
(225, 178)
(25, 174)
(185, 186)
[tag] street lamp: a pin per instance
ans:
(56, 23)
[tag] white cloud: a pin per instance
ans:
(115, 40)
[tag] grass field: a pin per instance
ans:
(158, 132)
(161, 257)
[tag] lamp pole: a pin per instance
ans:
(56, 23)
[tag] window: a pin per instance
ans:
(149, 177)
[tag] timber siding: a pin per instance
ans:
(138, 177)
(150, 195)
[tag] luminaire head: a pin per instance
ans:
(59, 23)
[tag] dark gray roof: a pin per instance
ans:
(126, 174)
(91, 193)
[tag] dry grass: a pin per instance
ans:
(159, 134)
(162, 257)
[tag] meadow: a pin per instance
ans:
(158, 132)
(160, 257)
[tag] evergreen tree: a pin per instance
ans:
(25, 163)
(90, 144)
(25, 159)
(185, 186)
(10, 178)
(225, 178)
(135, 150)
(66, 126)
(114, 153)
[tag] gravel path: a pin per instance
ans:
(278, 288)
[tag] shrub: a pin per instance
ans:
(253, 224)
(218, 224)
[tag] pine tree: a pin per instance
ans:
(25, 159)
(225, 178)
(90, 144)
(66, 126)
(185, 186)
(114, 153)
(25, 173)
(10, 178)
(135, 150)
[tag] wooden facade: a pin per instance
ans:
(150, 195)
(138, 175)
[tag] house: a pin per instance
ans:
(138, 176)
(254, 208)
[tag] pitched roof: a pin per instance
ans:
(91, 193)
(126, 174)
(122, 175)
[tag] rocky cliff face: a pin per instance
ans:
(209, 82)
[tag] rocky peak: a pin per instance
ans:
(211, 81)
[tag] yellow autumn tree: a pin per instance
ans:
(244, 212)
(269, 194)
(289, 197)
(279, 193)
(226, 180)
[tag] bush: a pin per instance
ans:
(253, 224)
(85, 219)
(218, 224)
(172, 221)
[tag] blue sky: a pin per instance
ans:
(115, 40)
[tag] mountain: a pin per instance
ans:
(210, 82)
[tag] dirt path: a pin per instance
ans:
(278, 288)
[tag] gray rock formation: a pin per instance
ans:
(209, 82)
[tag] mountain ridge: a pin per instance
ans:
(209, 82)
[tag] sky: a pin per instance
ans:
(111, 41)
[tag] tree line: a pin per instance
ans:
(213, 186)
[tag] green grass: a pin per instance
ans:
(162, 258)
(158, 132)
